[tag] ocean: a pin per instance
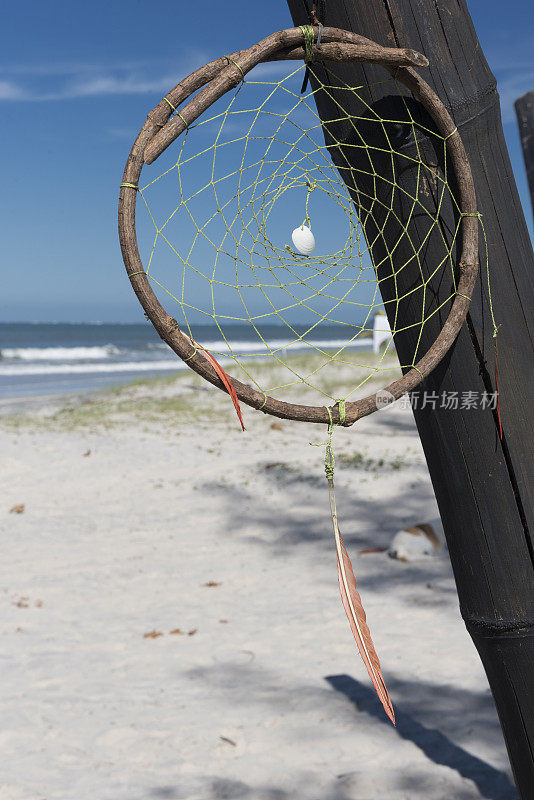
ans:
(55, 358)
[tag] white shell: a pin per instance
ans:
(304, 240)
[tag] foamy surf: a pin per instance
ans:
(107, 359)
(90, 369)
(59, 353)
(61, 357)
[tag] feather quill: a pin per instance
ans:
(352, 603)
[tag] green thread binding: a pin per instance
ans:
(175, 110)
(309, 37)
(195, 351)
(169, 103)
(231, 61)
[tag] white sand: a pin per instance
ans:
(121, 542)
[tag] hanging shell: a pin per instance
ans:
(304, 240)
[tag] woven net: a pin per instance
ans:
(217, 233)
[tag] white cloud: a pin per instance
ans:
(71, 81)
(102, 85)
(53, 82)
(122, 133)
(11, 91)
(69, 68)
(82, 87)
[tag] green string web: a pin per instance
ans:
(242, 178)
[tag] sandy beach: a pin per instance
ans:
(171, 620)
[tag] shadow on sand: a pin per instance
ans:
(492, 784)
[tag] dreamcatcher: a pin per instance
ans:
(267, 217)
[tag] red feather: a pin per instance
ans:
(358, 623)
(352, 603)
(224, 378)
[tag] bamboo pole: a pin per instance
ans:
(524, 109)
(484, 485)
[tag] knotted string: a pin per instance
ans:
(478, 215)
(329, 458)
(311, 187)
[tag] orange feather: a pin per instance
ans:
(227, 384)
(224, 378)
(352, 603)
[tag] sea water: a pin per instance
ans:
(56, 358)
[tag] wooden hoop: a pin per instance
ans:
(214, 80)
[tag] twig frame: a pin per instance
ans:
(214, 80)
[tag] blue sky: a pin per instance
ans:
(76, 81)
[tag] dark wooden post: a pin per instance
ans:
(524, 109)
(484, 486)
